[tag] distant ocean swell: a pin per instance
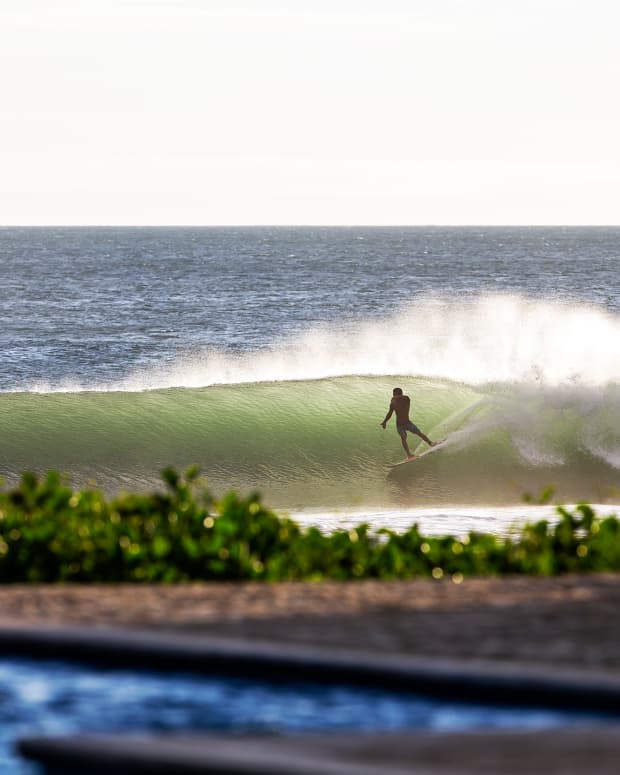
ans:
(317, 443)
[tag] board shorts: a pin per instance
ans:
(407, 426)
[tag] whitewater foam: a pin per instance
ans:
(497, 338)
(488, 339)
(456, 520)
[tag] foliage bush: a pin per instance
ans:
(49, 532)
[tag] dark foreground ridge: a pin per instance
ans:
(576, 750)
(287, 663)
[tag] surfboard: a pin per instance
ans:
(417, 457)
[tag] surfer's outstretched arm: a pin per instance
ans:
(387, 416)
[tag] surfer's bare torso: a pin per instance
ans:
(400, 405)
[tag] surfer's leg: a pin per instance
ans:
(414, 429)
(403, 438)
(425, 438)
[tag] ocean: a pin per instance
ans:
(267, 357)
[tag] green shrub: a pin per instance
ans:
(49, 532)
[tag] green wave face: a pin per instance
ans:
(316, 444)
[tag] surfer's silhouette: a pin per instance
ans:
(400, 405)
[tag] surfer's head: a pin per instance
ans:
(397, 392)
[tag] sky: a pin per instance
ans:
(352, 112)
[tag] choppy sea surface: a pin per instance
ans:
(267, 356)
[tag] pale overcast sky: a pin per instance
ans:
(309, 112)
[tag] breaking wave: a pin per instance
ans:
(318, 443)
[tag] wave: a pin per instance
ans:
(484, 339)
(317, 443)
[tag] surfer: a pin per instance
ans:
(400, 404)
